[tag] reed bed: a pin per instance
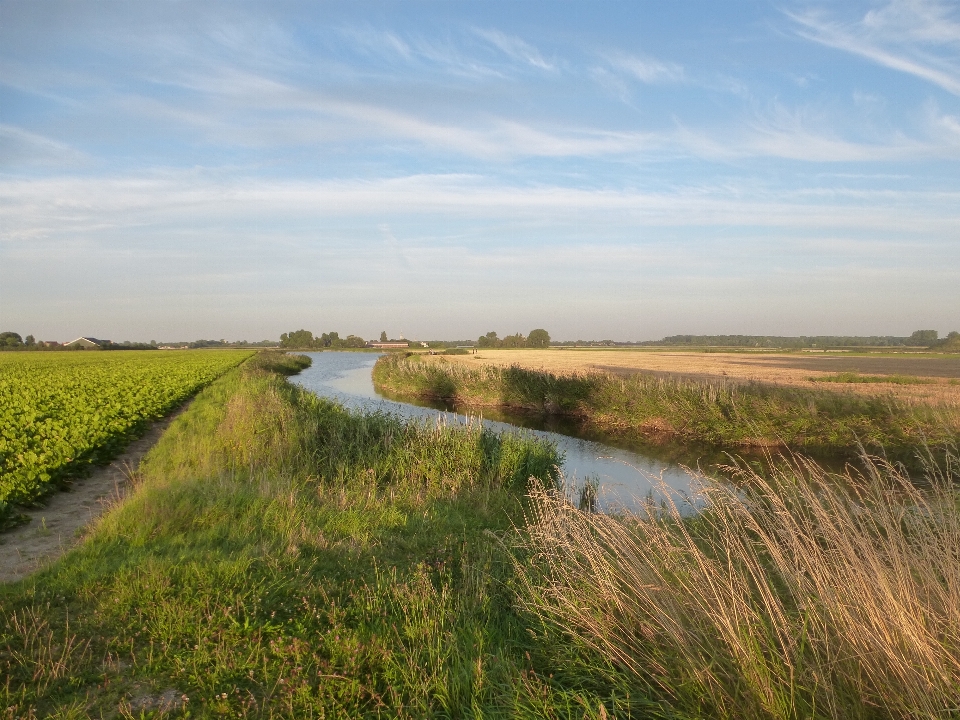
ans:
(717, 412)
(798, 594)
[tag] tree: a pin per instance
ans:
(514, 341)
(330, 340)
(29, 340)
(538, 338)
(297, 339)
(352, 341)
(383, 336)
(923, 337)
(488, 340)
(10, 339)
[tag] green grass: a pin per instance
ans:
(283, 557)
(853, 377)
(62, 412)
(725, 415)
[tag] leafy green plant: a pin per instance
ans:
(62, 411)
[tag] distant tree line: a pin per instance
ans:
(304, 339)
(222, 344)
(538, 338)
(951, 343)
(920, 338)
(13, 341)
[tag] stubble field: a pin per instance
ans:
(924, 378)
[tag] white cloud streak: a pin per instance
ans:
(895, 36)
(514, 47)
(24, 147)
(79, 206)
(647, 70)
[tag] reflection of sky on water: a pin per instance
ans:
(623, 475)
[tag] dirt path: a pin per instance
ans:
(53, 529)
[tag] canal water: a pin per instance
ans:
(624, 476)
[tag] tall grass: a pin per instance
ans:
(281, 557)
(795, 595)
(723, 414)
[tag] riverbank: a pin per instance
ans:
(279, 556)
(720, 413)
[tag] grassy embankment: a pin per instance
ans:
(282, 557)
(799, 595)
(721, 414)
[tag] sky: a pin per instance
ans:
(622, 170)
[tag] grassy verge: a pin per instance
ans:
(725, 415)
(796, 595)
(853, 377)
(282, 557)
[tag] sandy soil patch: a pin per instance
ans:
(779, 369)
(54, 528)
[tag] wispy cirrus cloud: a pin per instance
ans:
(645, 69)
(514, 47)
(19, 147)
(168, 202)
(910, 36)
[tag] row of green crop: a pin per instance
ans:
(721, 414)
(60, 412)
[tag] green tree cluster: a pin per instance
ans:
(304, 339)
(923, 337)
(10, 340)
(538, 338)
(951, 343)
(932, 340)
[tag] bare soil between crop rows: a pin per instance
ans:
(55, 528)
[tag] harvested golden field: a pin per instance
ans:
(940, 375)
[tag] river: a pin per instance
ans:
(624, 475)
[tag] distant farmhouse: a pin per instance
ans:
(87, 343)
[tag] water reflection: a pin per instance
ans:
(623, 474)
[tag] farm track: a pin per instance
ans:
(57, 527)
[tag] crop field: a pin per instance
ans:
(61, 411)
(893, 376)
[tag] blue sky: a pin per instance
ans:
(442, 169)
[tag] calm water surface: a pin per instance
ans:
(624, 475)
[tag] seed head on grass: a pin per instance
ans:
(799, 594)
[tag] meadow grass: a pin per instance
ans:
(283, 557)
(853, 377)
(723, 414)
